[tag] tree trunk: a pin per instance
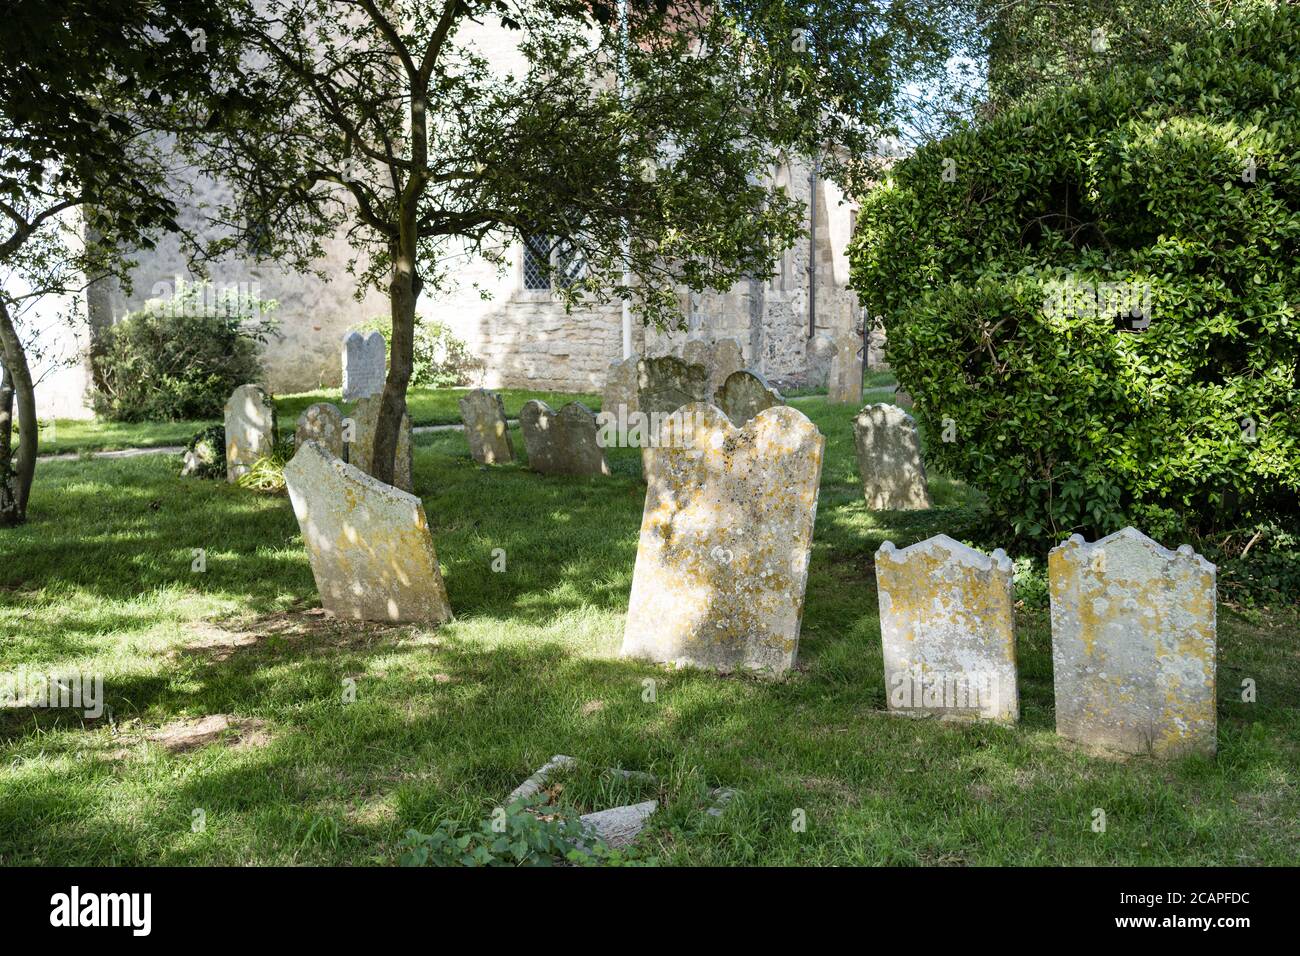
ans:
(16, 473)
(403, 292)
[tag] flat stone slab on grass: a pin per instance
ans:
(486, 429)
(1133, 645)
(185, 735)
(743, 394)
(947, 631)
(250, 429)
(563, 442)
(726, 532)
(364, 418)
(889, 459)
(369, 543)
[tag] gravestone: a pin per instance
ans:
(744, 394)
(821, 352)
(721, 358)
(361, 448)
(889, 459)
(722, 559)
(665, 384)
(250, 429)
(563, 442)
(844, 384)
(1133, 645)
(369, 543)
(484, 415)
(365, 365)
(322, 422)
(620, 387)
(947, 632)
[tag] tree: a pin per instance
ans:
(73, 76)
(628, 138)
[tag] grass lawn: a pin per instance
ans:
(428, 406)
(446, 722)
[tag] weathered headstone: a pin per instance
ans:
(620, 386)
(563, 442)
(484, 415)
(726, 534)
(369, 543)
(665, 384)
(844, 386)
(744, 394)
(361, 447)
(322, 422)
(889, 459)
(821, 352)
(1133, 645)
(365, 365)
(727, 357)
(250, 429)
(946, 627)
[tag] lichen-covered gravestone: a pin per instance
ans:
(844, 384)
(889, 459)
(722, 560)
(1133, 644)
(369, 543)
(563, 442)
(947, 632)
(484, 415)
(664, 384)
(250, 429)
(322, 422)
(365, 365)
(727, 357)
(744, 394)
(361, 447)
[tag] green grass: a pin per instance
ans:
(446, 722)
(428, 406)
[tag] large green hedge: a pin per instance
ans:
(1084, 420)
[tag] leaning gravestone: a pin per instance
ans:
(1133, 644)
(665, 384)
(889, 459)
(250, 429)
(744, 394)
(946, 630)
(563, 442)
(844, 384)
(484, 415)
(365, 364)
(722, 562)
(322, 422)
(361, 446)
(369, 543)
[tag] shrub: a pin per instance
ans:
(440, 360)
(205, 454)
(1179, 178)
(180, 358)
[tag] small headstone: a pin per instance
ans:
(726, 534)
(744, 394)
(889, 459)
(844, 386)
(364, 418)
(821, 352)
(484, 415)
(727, 357)
(946, 626)
(1133, 645)
(665, 384)
(322, 422)
(563, 442)
(620, 389)
(365, 365)
(369, 543)
(250, 429)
